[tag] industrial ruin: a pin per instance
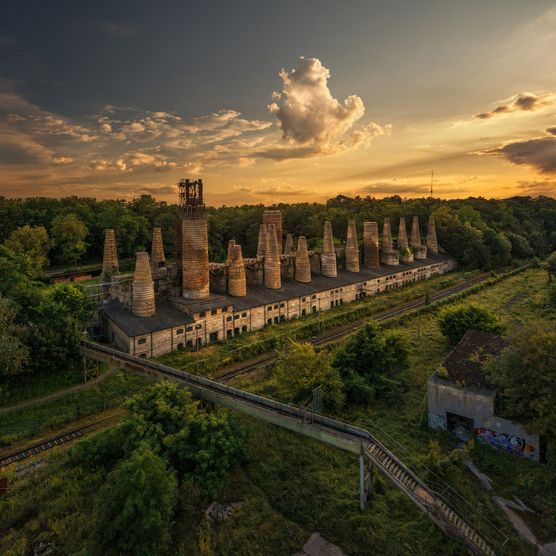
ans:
(163, 307)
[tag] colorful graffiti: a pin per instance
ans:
(508, 443)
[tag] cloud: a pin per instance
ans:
(122, 29)
(161, 190)
(61, 160)
(522, 102)
(538, 152)
(546, 187)
(393, 188)
(308, 112)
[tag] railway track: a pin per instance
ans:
(48, 444)
(249, 367)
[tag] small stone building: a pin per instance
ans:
(461, 400)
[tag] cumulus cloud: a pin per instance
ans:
(62, 160)
(522, 102)
(538, 152)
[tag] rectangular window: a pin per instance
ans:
(179, 331)
(281, 304)
(243, 315)
(189, 328)
(203, 314)
(142, 341)
(228, 319)
(214, 312)
(236, 317)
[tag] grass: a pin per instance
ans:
(57, 413)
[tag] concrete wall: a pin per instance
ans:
(477, 404)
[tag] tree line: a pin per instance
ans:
(478, 232)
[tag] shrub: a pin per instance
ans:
(455, 321)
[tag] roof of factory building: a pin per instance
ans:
(168, 315)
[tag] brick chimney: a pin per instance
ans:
(289, 247)
(302, 263)
(352, 248)
(157, 250)
(328, 254)
(231, 244)
(272, 268)
(432, 243)
(110, 254)
(262, 240)
(142, 303)
(371, 254)
(274, 217)
(237, 285)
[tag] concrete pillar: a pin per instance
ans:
(157, 250)
(302, 263)
(272, 268)
(289, 247)
(262, 241)
(274, 217)
(352, 248)
(432, 243)
(371, 254)
(237, 284)
(231, 245)
(142, 302)
(194, 255)
(110, 254)
(328, 254)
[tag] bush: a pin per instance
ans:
(457, 320)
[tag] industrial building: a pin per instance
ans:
(166, 307)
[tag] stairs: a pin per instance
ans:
(428, 500)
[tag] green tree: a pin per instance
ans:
(14, 355)
(456, 320)
(134, 507)
(34, 243)
(68, 235)
(520, 246)
(499, 248)
(526, 378)
(300, 369)
(208, 445)
(551, 265)
(373, 364)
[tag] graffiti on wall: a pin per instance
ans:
(437, 421)
(508, 443)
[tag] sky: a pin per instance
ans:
(273, 102)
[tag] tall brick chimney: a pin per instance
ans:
(328, 254)
(110, 254)
(352, 248)
(142, 302)
(272, 268)
(415, 233)
(371, 253)
(157, 250)
(231, 244)
(194, 240)
(274, 217)
(237, 285)
(406, 254)
(388, 255)
(432, 243)
(302, 263)
(262, 241)
(289, 247)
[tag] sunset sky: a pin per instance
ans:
(278, 101)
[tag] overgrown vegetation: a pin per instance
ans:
(456, 320)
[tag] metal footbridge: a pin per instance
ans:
(447, 509)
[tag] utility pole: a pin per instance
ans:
(432, 179)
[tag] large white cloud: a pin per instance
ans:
(306, 110)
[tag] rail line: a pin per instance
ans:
(339, 334)
(48, 444)
(447, 509)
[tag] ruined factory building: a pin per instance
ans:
(164, 307)
(461, 400)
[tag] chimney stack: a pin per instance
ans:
(231, 245)
(406, 255)
(194, 255)
(110, 254)
(157, 250)
(142, 303)
(237, 285)
(274, 217)
(432, 243)
(272, 268)
(352, 248)
(389, 256)
(419, 250)
(371, 254)
(328, 253)
(262, 241)
(289, 248)
(302, 263)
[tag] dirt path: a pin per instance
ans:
(57, 394)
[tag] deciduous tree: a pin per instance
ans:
(456, 320)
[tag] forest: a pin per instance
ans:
(480, 233)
